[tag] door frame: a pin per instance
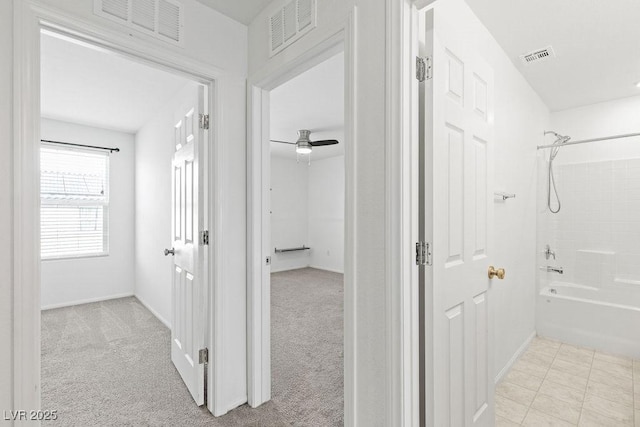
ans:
(258, 169)
(29, 18)
(402, 393)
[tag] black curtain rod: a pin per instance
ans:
(111, 150)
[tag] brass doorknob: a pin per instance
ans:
(496, 272)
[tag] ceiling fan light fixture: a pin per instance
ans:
(303, 144)
(303, 148)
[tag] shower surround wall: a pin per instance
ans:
(596, 234)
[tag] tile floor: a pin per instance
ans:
(556, 384)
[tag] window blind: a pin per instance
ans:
(74, 195)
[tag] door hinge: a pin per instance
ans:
(204, 237)
(423, 253)
(203, 356)
(424, 69)
(204, 121)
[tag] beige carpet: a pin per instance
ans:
(108, 363)
(307, 346)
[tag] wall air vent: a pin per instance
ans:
(538, 55)
(162, 19)
(290, 22)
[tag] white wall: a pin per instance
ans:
(6, 206)
(154, 152)
(326, 213)
(79, 280)
(594, 121)
(289, 213)
(307, 208)
(520, 118)
(232, 237)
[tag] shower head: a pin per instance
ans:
(560, 139)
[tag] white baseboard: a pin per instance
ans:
(280, 270)
(327, 269)
(86, 301)
(505, 370)
(154, 312)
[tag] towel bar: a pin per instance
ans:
(301, 248)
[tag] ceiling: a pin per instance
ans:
(90, 86)
(597, 46)
(243, 11)
(313, 100)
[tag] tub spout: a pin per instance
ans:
(552, 269)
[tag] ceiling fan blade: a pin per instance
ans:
(282, 142)
(323, 142)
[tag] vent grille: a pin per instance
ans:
(538, 55)
(169, 20)
(144, 14)
(290, 22)
(116, 8)
(290, 29)
(305, 13)
(162, 19)
(277, 33)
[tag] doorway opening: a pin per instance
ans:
(306, 222)
(124, 283)
(262, 250)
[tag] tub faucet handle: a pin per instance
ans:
(549, 253)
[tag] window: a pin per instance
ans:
(74, 195)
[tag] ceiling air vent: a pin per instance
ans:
(162, 19)
(538, 55)
(290, 22)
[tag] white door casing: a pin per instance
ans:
(30, 17)
(188, 296)
(459, 126)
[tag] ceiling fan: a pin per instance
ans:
(304, 144)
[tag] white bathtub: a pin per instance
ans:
(606, 319)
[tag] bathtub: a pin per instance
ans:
(606, 319)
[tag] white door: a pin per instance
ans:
(458, 130)
(188, 297)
